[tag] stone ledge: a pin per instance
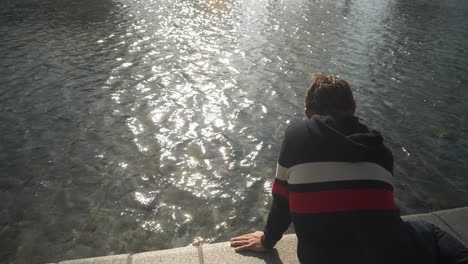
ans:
(457, 220)
(183, 255)
(454, 221)
(223, 253)
(115, 259)
(433, 219)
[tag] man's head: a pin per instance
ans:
(327, 94)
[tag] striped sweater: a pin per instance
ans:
(334, 183)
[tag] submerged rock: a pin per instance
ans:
(91, 227)
(443, 134)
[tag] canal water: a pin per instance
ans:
(129, 126)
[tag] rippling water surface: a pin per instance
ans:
(129, 126)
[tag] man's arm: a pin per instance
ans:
(278, 220)
(279, 217)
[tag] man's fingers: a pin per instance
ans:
(240, 238)
(250, 241)
(239, 243)
(243, 248)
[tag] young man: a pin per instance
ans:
(334, 183)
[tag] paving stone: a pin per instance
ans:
(287, 249)
(224, 253)
(115, 259)
(457, 219)
(183, 255)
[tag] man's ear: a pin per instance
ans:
(308, 113)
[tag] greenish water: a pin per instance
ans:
(130, 126)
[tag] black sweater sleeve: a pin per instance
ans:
(279, 217)
(278, 221)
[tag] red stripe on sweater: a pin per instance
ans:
(281, 190)
(341, 200)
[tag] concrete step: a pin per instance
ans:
(454, 221)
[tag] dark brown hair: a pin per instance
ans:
(329, 93)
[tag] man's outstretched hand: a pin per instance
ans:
(248, 242)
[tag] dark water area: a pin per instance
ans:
(129, 126)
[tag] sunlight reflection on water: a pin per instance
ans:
(132, 125)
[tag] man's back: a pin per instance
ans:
(334, 183)
(338, 176)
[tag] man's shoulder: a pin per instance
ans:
(300, 129)
(298, 126)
